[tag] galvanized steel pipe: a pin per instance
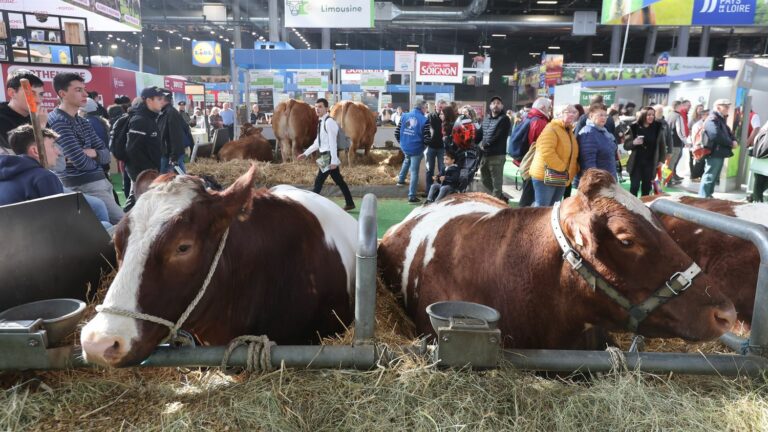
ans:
(365, 269)
(757, 234)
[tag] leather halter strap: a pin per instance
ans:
(674, 286)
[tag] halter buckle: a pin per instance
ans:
(675, 276)
(573, 258)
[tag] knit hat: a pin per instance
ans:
(91, 106)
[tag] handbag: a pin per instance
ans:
(525, 164)
(557, 178)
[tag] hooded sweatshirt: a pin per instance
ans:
(22, 178)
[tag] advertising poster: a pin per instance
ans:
(206, 53)
(685, 12)
(265, 100)
(553, 66)
(439, 68)
(596, 72)
(329, 13)
(661, 65)
(261, 79)
(102, 15)
(404, 61)
(374, 80)
(609, 96)
(46, 74)
(310, 80)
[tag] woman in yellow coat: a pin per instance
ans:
(555, 163)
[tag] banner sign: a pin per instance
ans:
(329, 13)
(404, 61)
(685, 13)
(662, 64)
(439, 68)
(553, 69)
(106, 16)
(206, 53)
(175, 85)
(354, 76)
(609, 96)
(310, 80)
(262, 79)
(374, 81)
(596, 72)
(265, 100)
(686, 65)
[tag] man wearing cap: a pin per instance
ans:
(717, 137)
(144, 145)
(496, 127)
(183, 111)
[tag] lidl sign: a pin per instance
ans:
(206, 53)
(686, 12)
(329, 13)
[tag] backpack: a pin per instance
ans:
(342, 140)
(517, 143)
(700, 141)
(118, 137)
(760, 147)
(463, 133)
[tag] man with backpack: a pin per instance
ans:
(718, 139)
(327, 143)
(525, 135)
(175, 134)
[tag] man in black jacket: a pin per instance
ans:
(175, 134)
(15, 113)
(144, 145)
(718, 138)
(496, 127)
(433, 139)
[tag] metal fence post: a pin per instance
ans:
(365, 279)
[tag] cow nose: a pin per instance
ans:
(104, 350)
(725, 317)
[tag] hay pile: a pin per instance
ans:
(408, 395)
(375, 172)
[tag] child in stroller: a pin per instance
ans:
(468, 156)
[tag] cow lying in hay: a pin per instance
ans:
(472, 247)
(281, 262)
(730, 261)
(250, 145)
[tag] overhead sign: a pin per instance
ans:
(261, 79)
(329, 13)
(686, 13)
(310, 80)
(439, 68)
(175, 85)
(404, 61)
(206, 53)
(353, 76)
(374, 80)
(114, 16)
(686, 65)
(585, 96)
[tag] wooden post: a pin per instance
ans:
(29, 95)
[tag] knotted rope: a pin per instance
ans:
(259, 358)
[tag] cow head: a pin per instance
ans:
(625, 243)
(249, 130)
(165, 247)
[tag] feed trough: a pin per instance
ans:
(440, 313)
(60, 316)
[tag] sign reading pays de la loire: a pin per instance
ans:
(719, 12)
(206, 53)
(439, 68)
(329, 13)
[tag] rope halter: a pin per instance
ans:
(174, 327)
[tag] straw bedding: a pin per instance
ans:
(406, 395)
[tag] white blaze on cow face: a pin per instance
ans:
(754, 212)
(631, 203)
(146, 221)
(432, 219)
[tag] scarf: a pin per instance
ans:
(603, 130)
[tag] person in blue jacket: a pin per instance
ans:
(597, 146)
(409, 135)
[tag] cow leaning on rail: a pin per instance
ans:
(280, 262)
(728, 260)
(473, 248)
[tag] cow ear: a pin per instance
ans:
(236, 200)
(594, 182)
(144, 181)
(579, 226)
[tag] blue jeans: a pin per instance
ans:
(712, 168)
(546, 196)
(411, 163)
(438, 192)
(98, 207)
(431, 154)
(164, 168)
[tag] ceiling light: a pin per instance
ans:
(472, 52)
(185, 38)
(213, 32)
(412, 46)
(720, 65)
(159, 40)
(538, 19)
(499, 35)
(109, 35)
(253, 33)
(485, 46)
(113, 46)
(597, 54)
(533, 53)
(553, 47)
(546, 2)
(157, 47)
(765, 55)
(341, 44)
(698, 79)
(170, 31)
(677, 82)
(178, 47)
(726, 56)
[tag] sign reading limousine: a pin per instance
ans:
(329, 13)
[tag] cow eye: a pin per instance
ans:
(183, 248)
(626, 242)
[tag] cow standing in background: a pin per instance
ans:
(286, 270)
(250, 145)
(730, 261)
(359, 124)
(473, 248)
(295, 126)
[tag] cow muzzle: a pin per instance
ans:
(104, 349)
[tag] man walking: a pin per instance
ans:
(720, 141)
(409, 135)
(678, 128)
(175, 134)
(84, 153)
(496, 127)
(328, 162)
(228, 119)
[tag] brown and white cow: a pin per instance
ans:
(358, 123)
(250, 145)
(287, 269)
(473, 248)
(295, 126)
(730, 261)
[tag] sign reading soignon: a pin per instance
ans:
(329, 13)
(206, 53)
(439, 68)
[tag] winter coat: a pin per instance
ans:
(719, 137)
(597, 149)
(23, 178)
(495, 133)
(409, 133)
(660, 151)
(555, 147)
(144, 146)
